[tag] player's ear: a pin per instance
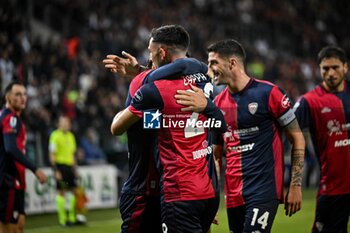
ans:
(232, 63)
(163, 53)
(346, 67)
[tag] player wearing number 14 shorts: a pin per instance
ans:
(256, 112)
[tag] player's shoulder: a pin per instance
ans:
(315, 93)
(138, 81)
(263, 85)
(6, 112)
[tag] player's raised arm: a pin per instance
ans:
(174, 70)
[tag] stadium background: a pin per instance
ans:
(56, 48)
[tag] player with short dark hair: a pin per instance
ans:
(324, 112)
(12, 151)
(256, 112)
(189, 185)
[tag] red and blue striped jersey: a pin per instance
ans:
(327, 116)
(184, 149)
(12, 147)
(142, 152)
(254, 149)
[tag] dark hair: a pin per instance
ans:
(228, 47)
(11, 84)
(8, 88)
(171, 35)
(332, 51)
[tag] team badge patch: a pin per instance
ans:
(13, 122)
(285, 102)
(151, 120)
(253, 107)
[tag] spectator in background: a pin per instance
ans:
(89, 143)
(62, 147)
(324, 112)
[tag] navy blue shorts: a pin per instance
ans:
(189, 216)
(8, 213)
(252, 217)
(20, 201)
(68, 177)
(332, 214)
(140, 213)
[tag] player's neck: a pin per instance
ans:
(238, 83)
(339, 88)
(18, 113)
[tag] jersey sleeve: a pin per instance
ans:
(147, 98)
(280, 107)
(216, 138)
(213, 112)
(179, 67)
(302, 113)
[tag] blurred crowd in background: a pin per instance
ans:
(56, 47)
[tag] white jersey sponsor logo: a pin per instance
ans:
(242, 148)
(334, 127)
(340, 143)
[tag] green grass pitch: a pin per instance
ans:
(108, 221)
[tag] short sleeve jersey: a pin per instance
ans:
(63, 144)
(12, 124)
(254, 150)
(327, 116)
(185, 153)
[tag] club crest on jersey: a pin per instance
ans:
(285, 102)
(13, 122)
(253, 107)
(151, 119)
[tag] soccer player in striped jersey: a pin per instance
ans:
(12, 147)
(256, 112)
(324, 112)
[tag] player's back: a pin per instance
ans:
(184, 148)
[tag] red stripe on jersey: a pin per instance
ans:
(10, 205)
(133, 110)
(136, 217)
(137, 82)
(184, 176)
(278, 103)
(277, 147)
(233, 174)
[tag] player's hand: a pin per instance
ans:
(194, 99)
(293, 200)
(41, 176)
(127, 66)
